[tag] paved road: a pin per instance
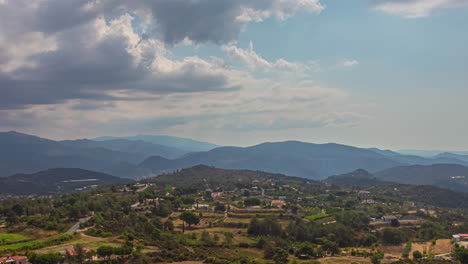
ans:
(77, 225)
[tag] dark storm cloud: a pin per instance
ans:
(219, 21)
(81, 64)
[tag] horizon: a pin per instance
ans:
(389, 74)
(410, 151)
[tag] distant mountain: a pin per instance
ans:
(138, 147)
(428, 153)
(22, 153)
(314, 161)
(55, 181)
(450, 176)
(449, 155)
(184, 144)
(413, 159)
(358, 178)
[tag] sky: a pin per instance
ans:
(391, 74)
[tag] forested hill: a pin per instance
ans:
(424, 194)
(358, 178)
(54, 181)
(450, 176)
(202, 177)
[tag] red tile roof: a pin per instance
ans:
(14, 258)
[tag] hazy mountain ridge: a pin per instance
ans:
(60, 180)
(21, 153)
(448, 176)
(183, 144)
(138, 147)
(294, 158)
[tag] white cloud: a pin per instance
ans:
(255, 62)
(349, 63)
(418, 8)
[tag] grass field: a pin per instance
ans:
(344, 260)
(7, 238)
(317, 216)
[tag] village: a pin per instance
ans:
(224, 216)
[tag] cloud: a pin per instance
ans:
(349, 63)
(256, 63)
(219, 21)
(98, 65)
(104, 60)
(418, 8)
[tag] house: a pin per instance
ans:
(282, 198)
(72, 252)
(362, 192)
(460, 237)
(154, 201)
(389, 218)
(14, 260)
(370, 201)
(202, 206)
(277, 203)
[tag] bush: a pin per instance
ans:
(417, 254)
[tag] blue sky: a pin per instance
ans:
(372, 73)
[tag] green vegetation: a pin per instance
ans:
(317, 216)
(9, 238)
(165, 222)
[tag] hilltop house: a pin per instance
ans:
(277, 203)
(14, 260)
(460, 237)
(389, 218)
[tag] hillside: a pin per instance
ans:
(203, 177)
(424, 194)
(314, 161)
(450, 176)
(183, 144)
(55, 181)
(358, 178)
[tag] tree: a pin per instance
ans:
(280, 256)
(105, 251)
(252, 201)
(376, 257)
(51, 258)
(417, 254)
(461, 254)
(393, 236)
(190, 218)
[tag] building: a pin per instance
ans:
(389, 218)
(460, 237)
(202, 207)
(277, 203)
(14, 260)
(370, 201)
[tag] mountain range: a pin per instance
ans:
(313, 161)
(145, 156)
(448, 176)
(55, 181)
(181, 144)
(22, 153)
